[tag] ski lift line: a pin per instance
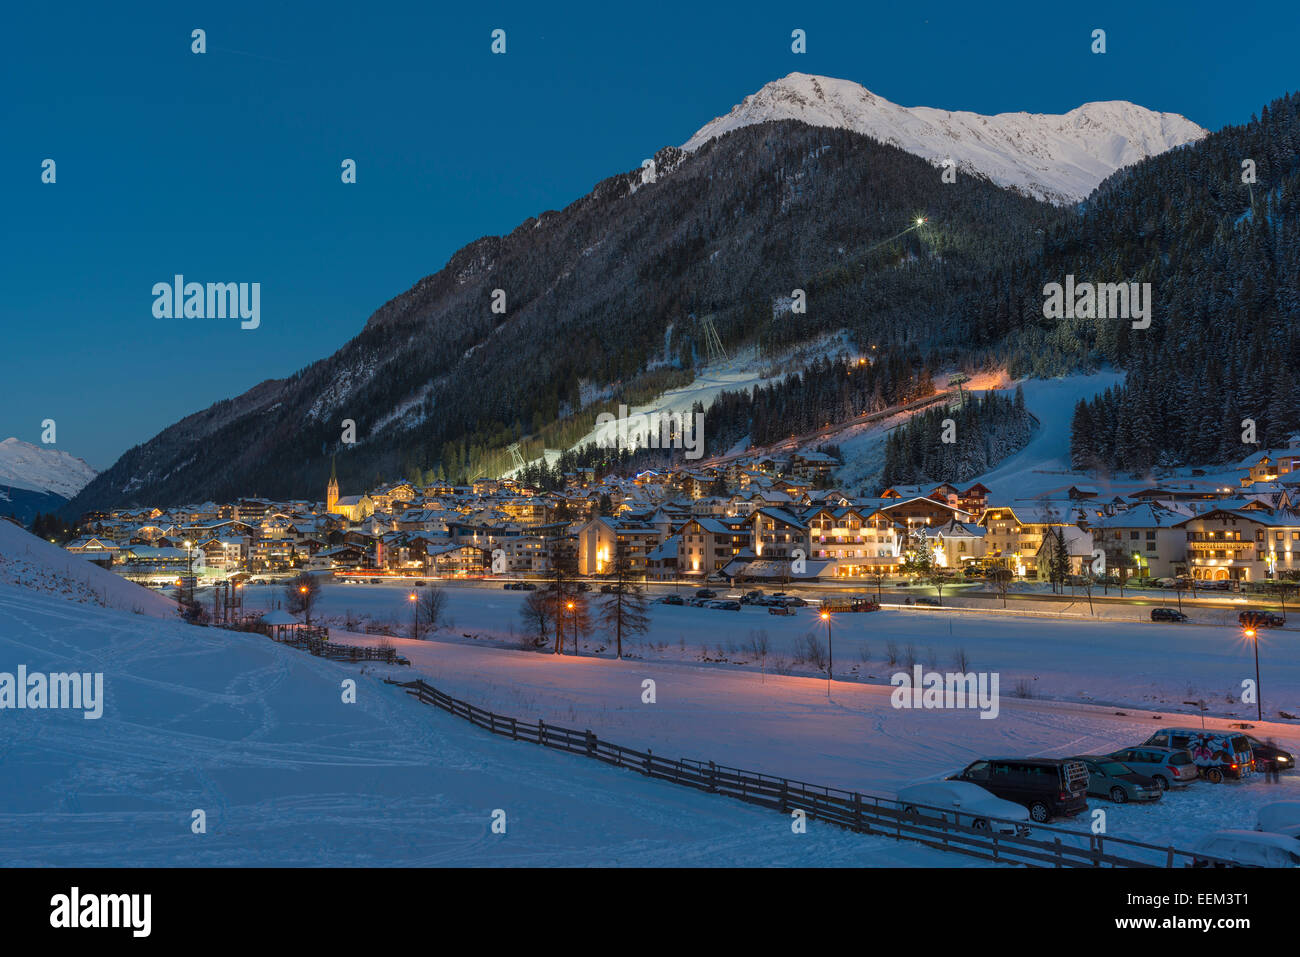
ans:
(916, 225)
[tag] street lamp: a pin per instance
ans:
(415, 609)
(572, 611)
(306, 605)
(189, 558)
(1253, 635)
(830, 652)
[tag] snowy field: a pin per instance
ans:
(256, 735)
(1089, 687)
(1123, 661)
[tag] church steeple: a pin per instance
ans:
(332, 490)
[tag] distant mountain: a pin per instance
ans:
(41, 469)
(604, 298)
(1060, 159)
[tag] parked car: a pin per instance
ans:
(376, 581)
(1249, 848)
(1115, 780)
(724, 605)
(1215, 753)
(780, 610)
(927, 601)
(792, 602)
(1047, 787)
(966, 804)
(752, 597)
(702, 593)
(1167, 614)
(1270, 756)
(671, 600)
(1168, 767)
(1260, 619)
(1280, 817)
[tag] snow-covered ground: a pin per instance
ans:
(1123, 661)
(257, 736)
(714, 701)
(34, 563)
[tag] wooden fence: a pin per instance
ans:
(1045, 846)
(315, 639)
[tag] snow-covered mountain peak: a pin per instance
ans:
(1058, 158)
(23, 465)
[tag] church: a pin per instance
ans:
(355, 508)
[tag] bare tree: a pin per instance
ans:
(538, 613)
(432, 607)
(1001, 579)
(301, 593)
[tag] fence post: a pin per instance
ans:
(785, 795)
(649, 756)
(713, 777)
(857, 811)
(1169, 859)
(492, 722)
(541, 731)
(591, 742)
(514, 730)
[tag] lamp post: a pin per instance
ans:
(189, 574)
(573, 611)
(415, 608)
(306, 605)
(830, 652)
(1253, 634)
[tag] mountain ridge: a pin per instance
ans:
(1063, 157)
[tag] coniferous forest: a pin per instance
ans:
(955, 444)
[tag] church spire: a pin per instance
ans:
(332, 489)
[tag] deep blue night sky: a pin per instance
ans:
(225, 166)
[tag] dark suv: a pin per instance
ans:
(1261, 619)
(1269, 757)
(1048, 787)
(1167, 614)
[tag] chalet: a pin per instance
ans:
(1014, 534)
(1241, 544)
(813, 466)
(1078, 550)
(709, 544)
(919, 511)
(955, 544)
(1142, 541)
(661, 562)
(602, 539)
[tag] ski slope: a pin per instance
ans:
(1043, 466)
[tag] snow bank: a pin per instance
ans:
(33, 563)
